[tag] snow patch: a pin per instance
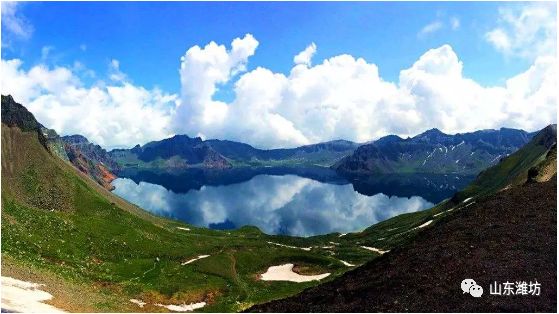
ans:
(285, 273)
(423, 225)
(291, 247)
(25, 296)
(183, 307)
(494, 159)
(182, 228)
(347, 264)
(194, 259)
(140, 303)
(379, 251)
(341, 235)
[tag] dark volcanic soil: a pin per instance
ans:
(510, 236)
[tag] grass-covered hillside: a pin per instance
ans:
(94, 251)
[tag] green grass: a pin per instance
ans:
(56, 220)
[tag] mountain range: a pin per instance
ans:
(431, 152)
(503, 226)
(435, 152)
(182, 151)
(95, 252)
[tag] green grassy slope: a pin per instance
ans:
(61, 226)
(56, 220)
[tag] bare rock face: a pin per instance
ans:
(90, 159)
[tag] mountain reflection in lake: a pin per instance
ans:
(291, 201)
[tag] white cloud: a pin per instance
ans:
(305, 56)
(527, 31)
(107, 115)
(114, 71)
(454, 23)
(202, 69)
(13, 23)
(440, 23)
(344, 97)
(341, 97)
(430, 28)
(45, 51)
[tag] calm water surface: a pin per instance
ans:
(291, 201)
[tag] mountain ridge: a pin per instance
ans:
(434, 152)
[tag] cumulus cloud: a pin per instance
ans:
(202, 69)
(527, 31)
(13, 22)
(305, 56)
(341, 97)
(344, 97)
(107, 115)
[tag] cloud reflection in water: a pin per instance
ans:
(276, 204)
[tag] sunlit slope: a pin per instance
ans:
(58, 222)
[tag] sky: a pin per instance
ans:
(280, 74)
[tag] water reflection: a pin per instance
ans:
(276, 203)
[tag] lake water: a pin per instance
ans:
(290, 201)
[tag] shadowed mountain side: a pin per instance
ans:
(516, 168)
(435, 152)
(509, 236)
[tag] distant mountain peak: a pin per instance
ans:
(75, 139)
(431, 132)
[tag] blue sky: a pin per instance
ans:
(111, 70)
(148, 38)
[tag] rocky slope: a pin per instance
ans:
(510, 236)
(434, 152)
(505, 230)
(90, 159)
